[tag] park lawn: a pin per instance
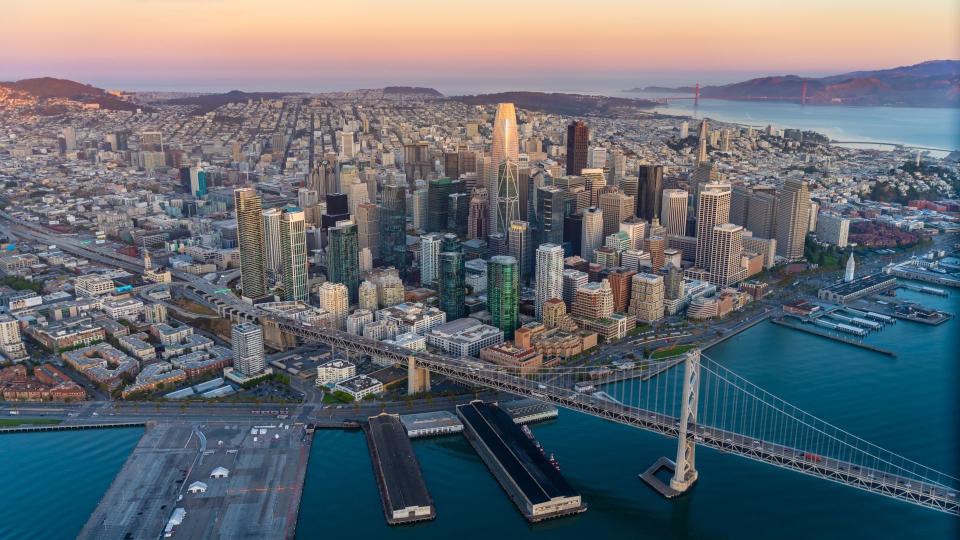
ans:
(670, 351)
(15, 422)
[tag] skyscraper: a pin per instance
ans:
(520, 246)
(458, 213)
(649, 191)
(549, 281)
(573, 280)
(438, 197)
(551, 213)
(247, 344)
(335, 298)
(503, 294)
(368, 228)
(419, 209)
(271, 239)
(655, 246)
(647, 297)
(506, 145)
(673, 213)
(672, 282)
(617, 207)
(343, 260)
(478, 219)
(636, 230)
(592, 232)
(293, 254)
(393, 227)
(702, 143)
(792, 218)
(578, 140)
(594, 182)
(253, 279)
(712, 210)
(451, 282)
(367, 296)
(573, 234)
(430, 258)
(505, 149)
(727, 250)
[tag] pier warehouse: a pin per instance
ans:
(402, 489)
(845, 292)
(534, 485)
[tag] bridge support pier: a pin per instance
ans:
(685, 472)
(418, 378)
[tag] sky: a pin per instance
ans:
(459, 45)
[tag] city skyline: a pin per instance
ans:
(282, 47)
(726, 284)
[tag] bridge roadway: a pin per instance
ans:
(935, 496)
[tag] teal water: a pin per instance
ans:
(908, 404)
(50, 483)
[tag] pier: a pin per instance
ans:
(207, 481)
(828, 335)
(534, 485)
(70, 427)
(402, 489)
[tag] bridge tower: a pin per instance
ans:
(418, 378)
(685, 473)
(803, 93)
(696, 96)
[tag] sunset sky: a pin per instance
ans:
(458, 44)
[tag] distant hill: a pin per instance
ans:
(47, 88)
(208, 102)
(412, 90)
(929, 84)
(565, 104)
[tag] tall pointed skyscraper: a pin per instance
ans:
(505, 148)
(702, 143)
(253, 278)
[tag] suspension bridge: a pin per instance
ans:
(700, 403)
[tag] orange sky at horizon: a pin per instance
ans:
(228, 38)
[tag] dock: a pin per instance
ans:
(70, 427)
(531, 481)
(828, 335)
(207, 481)
(402, 489)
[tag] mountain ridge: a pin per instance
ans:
(934, 83)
